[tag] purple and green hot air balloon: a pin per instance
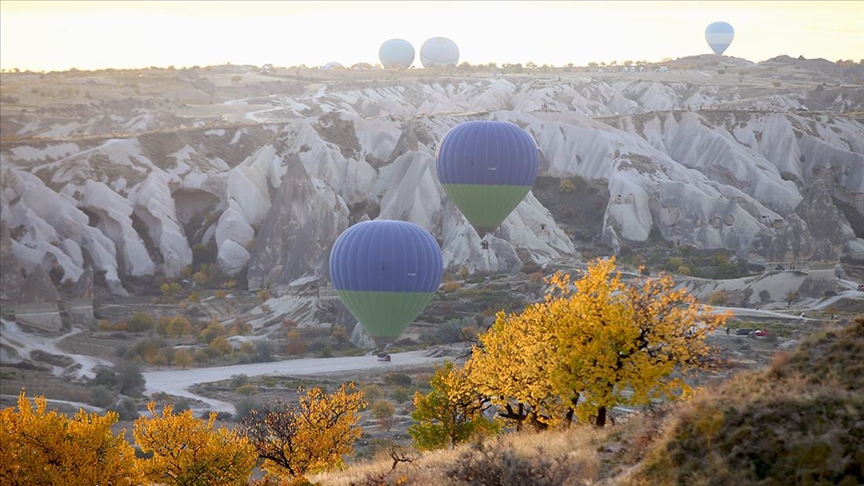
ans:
(487, 168)
(385, 272)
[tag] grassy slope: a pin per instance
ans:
(799, 421)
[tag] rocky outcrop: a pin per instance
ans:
(827, 225)
(38, 288)
(305, 218)
(11, 273)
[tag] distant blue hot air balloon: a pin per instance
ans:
(719, 35)
(396, 54)
(385, 272)
(439, 51)
(487, 168)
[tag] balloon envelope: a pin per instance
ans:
(385, 272)
(396, 54)
(439, 51)
(719, 35)
(487, 168)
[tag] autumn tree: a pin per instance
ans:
(513, 366)
(452, 411)
(310, 436)
(383, 411)
(140, 322)
(41, 447)
(179, 326)
(213, 330)
(296, 344)
(183, 358)
(187, 451)
(619, 344)
(221, 346)
(592, 345)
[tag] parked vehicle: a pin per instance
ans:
(744, 331)
(861, 287)
(760, 332)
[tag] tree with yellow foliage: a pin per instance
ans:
(188, 451)
(513, 365)
(592, 345)
(619, 344)
(41, 447)
(451, 413)
(308, 437)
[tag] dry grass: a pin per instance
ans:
(801, 421)
(575, 456)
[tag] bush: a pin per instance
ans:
(263, 352)
(244, 407)
(247, 389)
(566, 186)
(239, 380)
(401, 395)
(181, 405)
(263, 295)
(397, 379)
(101, 396)
(494, 464)
(105, 377)
(126, 409)
(372, 392)
(130, 381)
(140, 322)
(718, 297)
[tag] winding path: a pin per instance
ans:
(177, 382)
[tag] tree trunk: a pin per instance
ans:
(601, 417)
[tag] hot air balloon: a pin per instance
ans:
(396, 54)
(719, 35)
(487, 168)
(439, 51)
(385, 272)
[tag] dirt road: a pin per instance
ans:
(177, 382)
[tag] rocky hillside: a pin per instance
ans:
(132, 175)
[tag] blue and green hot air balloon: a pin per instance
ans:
(385, 272)
(487, 168)
(719, 35)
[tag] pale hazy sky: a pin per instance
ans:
(43, 35)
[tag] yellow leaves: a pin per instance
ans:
(451, 413)
(309, 437)
(41, 447)
(611, 342)
(188, 451)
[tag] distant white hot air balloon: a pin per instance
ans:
(396, 54)
(439, 51)
(719, 35)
